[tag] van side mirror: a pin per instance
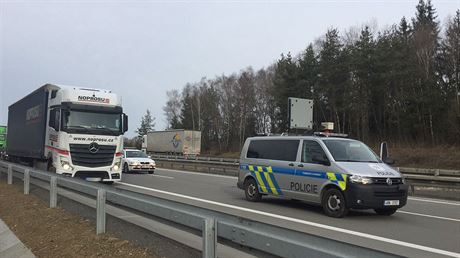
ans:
(384, 154)
(383, 150)
(125, 123)
(321, 159)
(389, 161)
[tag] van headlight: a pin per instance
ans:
(360, 179)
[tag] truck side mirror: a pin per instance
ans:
(53, 122)
(125, 123)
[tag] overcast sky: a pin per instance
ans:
(141, 49)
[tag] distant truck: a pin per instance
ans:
(2, 139)
(72, 131)
(184, 142)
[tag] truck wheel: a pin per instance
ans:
(334, 204)
(50, 167)
(126, 168)
(251, 190)
(385, 212)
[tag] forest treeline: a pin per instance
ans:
(399, 84)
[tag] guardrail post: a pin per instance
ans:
(26, 181)
(100, 211)
(53, 192)
(209, 238)
(10, 174)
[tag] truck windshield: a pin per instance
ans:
(350, 151)
(91, 122)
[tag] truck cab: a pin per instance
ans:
(85, 133)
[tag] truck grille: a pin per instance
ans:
(81, 156)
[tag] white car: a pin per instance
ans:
(136, 160)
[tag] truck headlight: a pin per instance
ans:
(65, 164)
(360, 180)
(116, 165)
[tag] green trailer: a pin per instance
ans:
(2, 138)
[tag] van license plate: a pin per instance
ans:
(391, 202)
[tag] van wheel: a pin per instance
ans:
(385, 212)
(251, 190)
(334, 204)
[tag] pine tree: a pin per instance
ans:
(285, 85)
(147, 124)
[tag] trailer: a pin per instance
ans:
(184, 142)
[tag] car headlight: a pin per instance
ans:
(135, 163)
(360, 180)
(152, 163)
(403, 180)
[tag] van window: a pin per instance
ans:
(273, 149)
(311, 149)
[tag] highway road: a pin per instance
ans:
(425, 227)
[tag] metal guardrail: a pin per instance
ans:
(212, 224)
(438, 175)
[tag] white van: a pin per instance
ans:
(337, 173)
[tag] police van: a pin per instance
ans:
(337, 173)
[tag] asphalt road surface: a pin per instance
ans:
(424, 227)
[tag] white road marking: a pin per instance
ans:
(434, 201)
(429, 216)
(198, 173)
(169, 177)
(342, 230)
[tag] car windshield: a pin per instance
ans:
(91, 122)
(136, 154)
(350, 151)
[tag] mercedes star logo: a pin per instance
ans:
(389, 181)
(93, 147)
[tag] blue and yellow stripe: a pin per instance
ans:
(267, 182)
(265, 179)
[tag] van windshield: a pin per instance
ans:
(350, 151)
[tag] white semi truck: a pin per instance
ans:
(184, 142)
(72, 131)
